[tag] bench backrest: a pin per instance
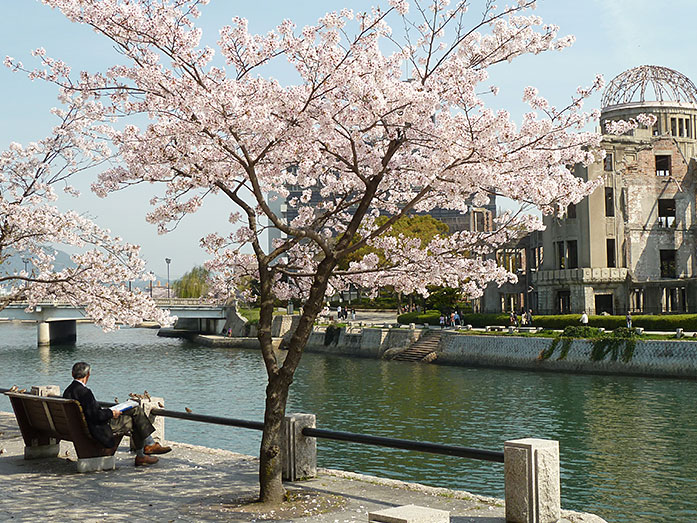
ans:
(55, 417)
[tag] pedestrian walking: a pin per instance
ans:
(629, 320)
(584, 319)
(441, 320)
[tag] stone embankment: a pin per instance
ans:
(638, 357)
(667, 358)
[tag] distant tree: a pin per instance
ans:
(424, 228)
(193, 284)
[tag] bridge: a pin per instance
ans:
(57, 322)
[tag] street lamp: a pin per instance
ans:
(168, 261)
(26, 262)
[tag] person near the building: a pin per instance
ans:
(584, 319)
(629, 320)
(528, 318)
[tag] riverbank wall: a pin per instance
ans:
(637, 357)
(631, 357)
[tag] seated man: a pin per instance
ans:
(103, 424)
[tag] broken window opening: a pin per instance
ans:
(666, 213)
(663, 165)
(610, 248)
(668, 263)
(572, 254)
(571, 211)
(607, 162)
(609, 201)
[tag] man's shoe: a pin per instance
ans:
(156, 448)
(142, 461)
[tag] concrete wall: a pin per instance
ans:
(651, 357)
(366, 343)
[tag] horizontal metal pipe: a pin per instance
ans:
(433, 448)
(255, 425)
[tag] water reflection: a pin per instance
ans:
(628, 445)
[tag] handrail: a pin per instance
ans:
(351, 437)
(432, 448)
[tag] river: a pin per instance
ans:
(628, 444)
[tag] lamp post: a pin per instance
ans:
(26, 262)
(168, 261)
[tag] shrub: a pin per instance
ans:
(580, 331)
(624, 332)
(666, 323)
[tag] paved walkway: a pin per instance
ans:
(200, 484)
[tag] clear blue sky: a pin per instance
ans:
(611, 36)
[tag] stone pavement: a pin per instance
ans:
(195, 483)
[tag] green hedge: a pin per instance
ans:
(668, 322)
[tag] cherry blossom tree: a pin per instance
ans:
(31, 226)
(356, 128)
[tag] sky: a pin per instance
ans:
(611, 37)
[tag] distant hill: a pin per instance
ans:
(15, 263)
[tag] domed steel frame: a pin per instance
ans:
(668, 85)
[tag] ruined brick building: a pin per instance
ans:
(631, 244)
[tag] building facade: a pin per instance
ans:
(631, 245)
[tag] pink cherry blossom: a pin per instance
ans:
(353, 129)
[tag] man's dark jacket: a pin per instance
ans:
(97, 417)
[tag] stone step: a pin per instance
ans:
(423, 349)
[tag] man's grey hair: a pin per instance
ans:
(80, 370)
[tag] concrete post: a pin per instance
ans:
(43, 333)
(298, 452)
(157, 421)
(531, 471)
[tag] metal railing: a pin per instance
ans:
(351, 437)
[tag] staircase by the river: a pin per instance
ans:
(423, 349)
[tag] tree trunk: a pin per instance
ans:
(270, 467)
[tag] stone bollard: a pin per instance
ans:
(639, 330)
(298, 452)
(511, 330)
(531, 472)
(158, 422)
(678, 333)
(412, 326)
(46, 390)
(468, 327)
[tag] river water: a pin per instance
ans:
(628, 444)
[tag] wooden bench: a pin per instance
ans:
(46, 420)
